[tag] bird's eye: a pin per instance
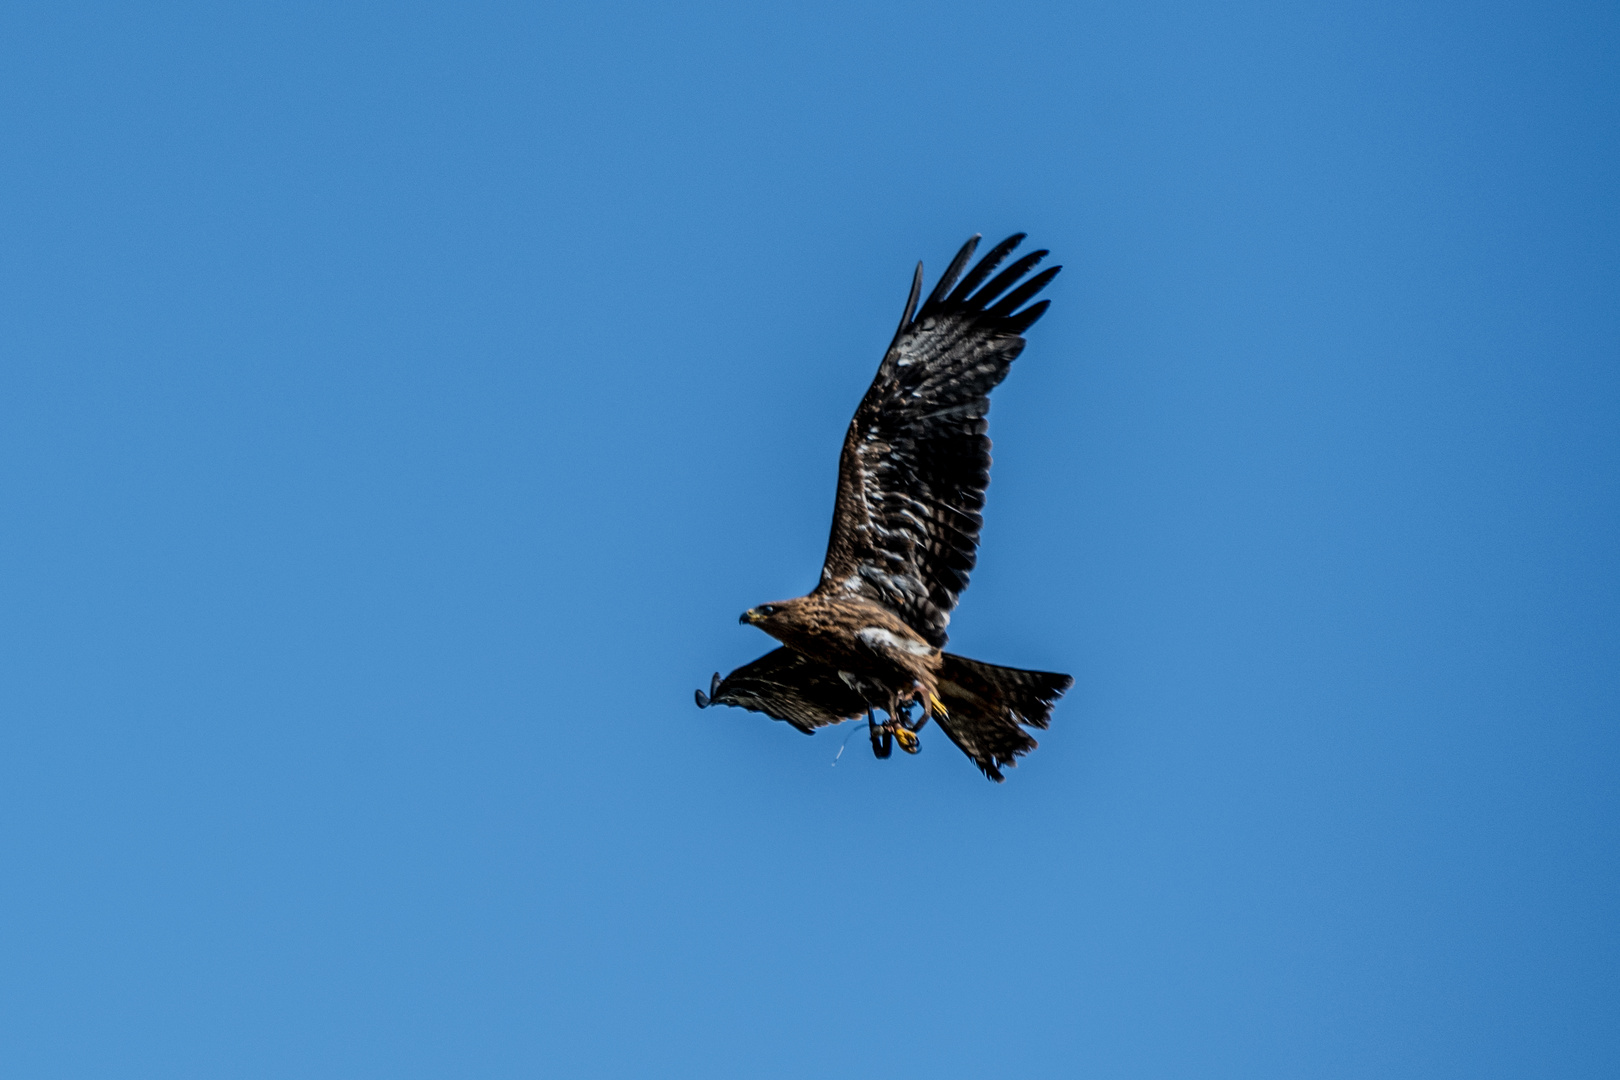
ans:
(769, 609)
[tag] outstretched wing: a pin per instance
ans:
(788, 686)
(916, 460)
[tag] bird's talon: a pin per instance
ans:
(907, 739)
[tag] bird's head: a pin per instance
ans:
(768, 617)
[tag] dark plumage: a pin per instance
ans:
(905, 534)
(788, 686)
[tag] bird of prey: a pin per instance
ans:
(905, 531)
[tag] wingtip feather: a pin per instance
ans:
(911, 307)
(1005, 280)
(985, 267)
(952, 272)
(1010, 303)
(1022, 321)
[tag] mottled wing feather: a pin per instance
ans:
(789, 686)
(916, 459)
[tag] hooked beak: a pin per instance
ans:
(748, 617)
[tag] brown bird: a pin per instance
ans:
(905, 534)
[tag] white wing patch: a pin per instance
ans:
(876, 637)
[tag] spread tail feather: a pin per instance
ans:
(985, 704)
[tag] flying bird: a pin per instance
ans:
(905, 534)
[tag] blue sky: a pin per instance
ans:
(399, 403)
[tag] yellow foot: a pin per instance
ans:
(937, 707)
(907, 739)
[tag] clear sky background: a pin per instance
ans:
(398, 404)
